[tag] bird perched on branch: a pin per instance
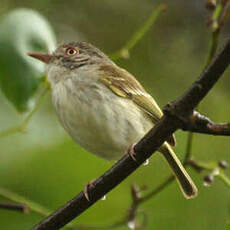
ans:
(103, 107)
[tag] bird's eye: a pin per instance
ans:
(71, 51)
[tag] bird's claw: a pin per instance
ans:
(131, 152)
(85, 190)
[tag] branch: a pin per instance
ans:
(217, 21)
(158, 189)
(201, 124)
(216, 170)
(32, 206)
(176, 111)
(23, 204)
(218, 18)
(15, 207)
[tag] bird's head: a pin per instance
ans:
(74, 56)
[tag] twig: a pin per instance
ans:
(218, 19)
(158, 189)
(15, 207)
(20, 199)
(215, 26)
(27, 204)
(188, 149)
(169, 123)
(198, 166)
(216, 170)
(201, 124)
(124, 51)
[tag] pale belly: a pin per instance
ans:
(98, 120)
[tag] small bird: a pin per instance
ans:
(103, 107)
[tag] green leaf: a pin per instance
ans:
(23, 31)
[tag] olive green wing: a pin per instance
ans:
(123, 84)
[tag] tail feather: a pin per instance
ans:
(186, 184)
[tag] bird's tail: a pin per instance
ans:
(186, 184)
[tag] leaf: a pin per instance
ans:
(22, 31)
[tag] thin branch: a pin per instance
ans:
(217, 21)
(20, 199)
(124, 51)
(216, 169)
(215, 26)
(188, 150)
(174, 112)
(201, 124)
(129, 219)
(15, 207)
(165, 183)
(158, 189)
(198, 166)
(27, 204)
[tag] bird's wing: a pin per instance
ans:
(123, 84)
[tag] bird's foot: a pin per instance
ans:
(86, 188)
(131, 152)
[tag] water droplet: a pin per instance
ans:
(131, 224)
(103, 198)
(146, 162)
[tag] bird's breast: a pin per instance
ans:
(97, 119)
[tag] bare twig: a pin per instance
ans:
(20, 199)
(216, 170)
(201, 124)
(15, 207)
(169, 123)
(23, 202)
(188, 150)
(218, 18)
(158, 189)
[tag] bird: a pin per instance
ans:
(103, 107)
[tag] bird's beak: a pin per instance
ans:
(46, 58)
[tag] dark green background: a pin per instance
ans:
(46, 166)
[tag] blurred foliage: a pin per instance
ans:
(21, 31)
(45, 165)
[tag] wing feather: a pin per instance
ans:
(123, 84)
